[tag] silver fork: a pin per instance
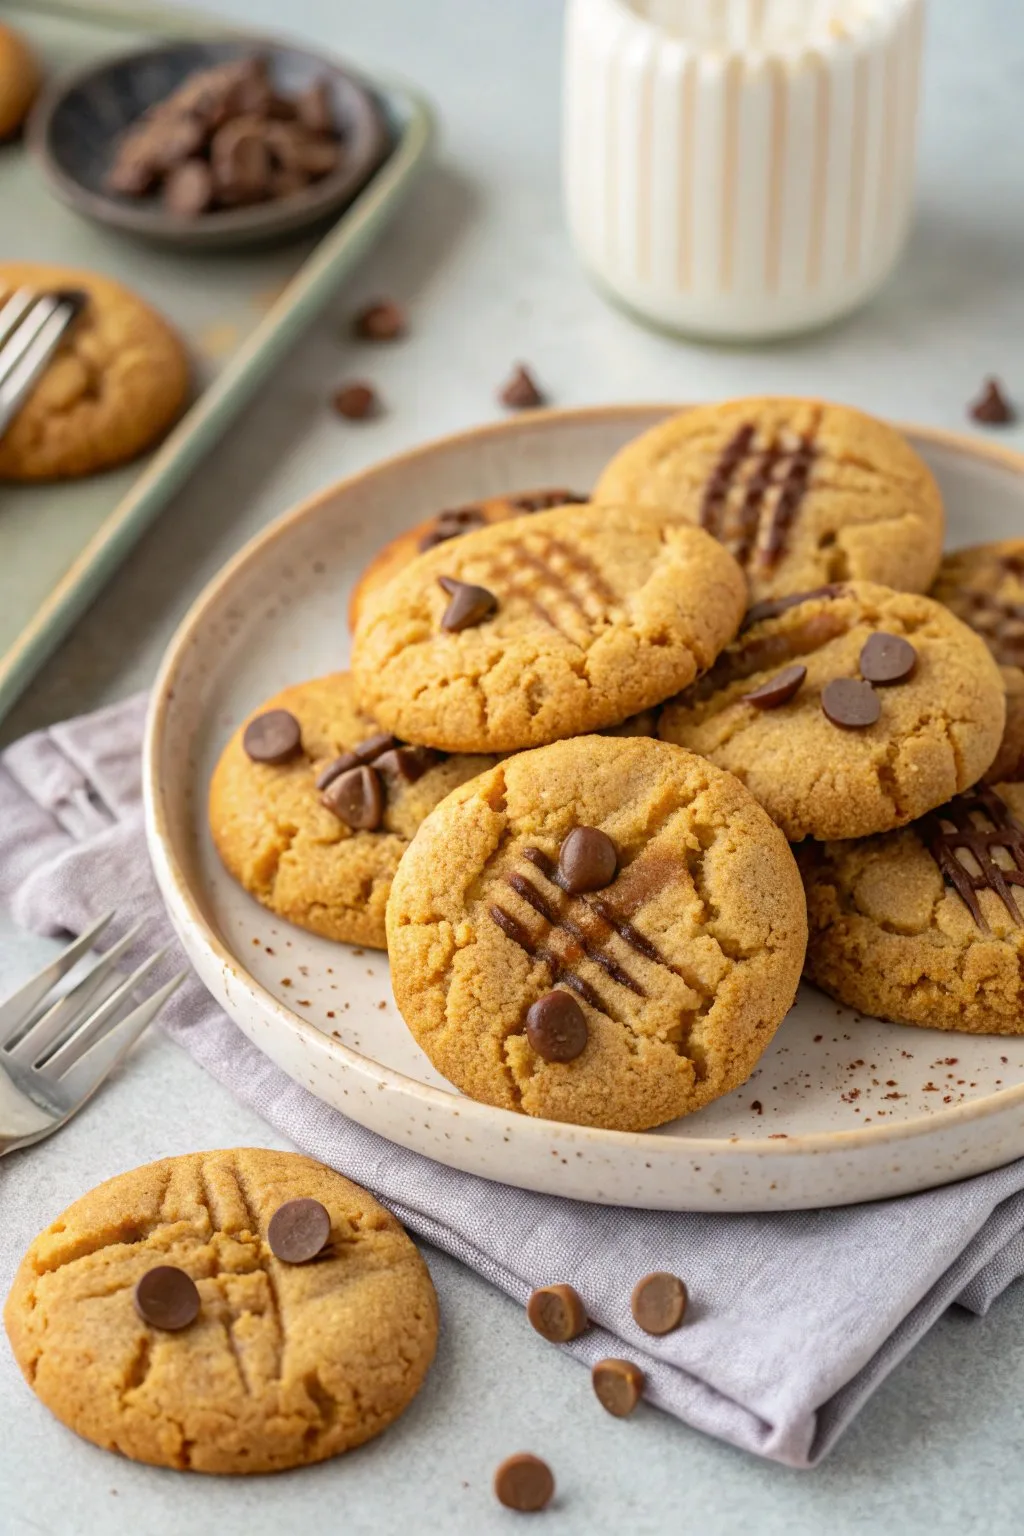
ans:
(52, 1059)
(31, 328)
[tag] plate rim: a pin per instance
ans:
(176, 889)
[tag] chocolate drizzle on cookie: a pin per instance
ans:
(760, 525)
(978, 824)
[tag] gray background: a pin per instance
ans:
(480, 256)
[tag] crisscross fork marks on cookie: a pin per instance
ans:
(583, 588)
(978, 823)
(760, 524)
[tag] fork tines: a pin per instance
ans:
(32, 326)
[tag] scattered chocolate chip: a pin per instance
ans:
(658, 1302)
(543, 501)
(778, 689)
(167, 1298)
(298, 1231)
(408, 763)
(557, 1312)
(356, 402)
(992, 408)
(887, 659)
(524, 1482)
(771, 607)
(851, 703)
(273, 737)
(587, 861)
(618, 1385)
(357, 798)
(521, 393)
(188, 189)
(469, 605)
(383, 321)
(556, 1027)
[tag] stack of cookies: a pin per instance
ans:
(561, 781)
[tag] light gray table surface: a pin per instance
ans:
(480, 256)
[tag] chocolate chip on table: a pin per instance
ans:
(521, 393)
(382, 321)
(188, 189)
(557, 1313)
(356, 401)
(658, 1302)
(850, 703)
(619, 1385)
(167, 1298)
(357, 798)
(469, 605)
(587, 861)
(556, 1027)
(778, 689)
(273, 737)
(992, 408)
(887, 659)
(524, 1482)
(298, 1231)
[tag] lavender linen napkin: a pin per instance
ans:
(795, 1318)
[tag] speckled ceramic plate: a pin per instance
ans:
(841, 1108)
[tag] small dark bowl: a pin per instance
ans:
(75, 125)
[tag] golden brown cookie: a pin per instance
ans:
(544, 627)
(926, 925)
(19, 81)
(450, 524)
(285, 1363)
(800, 491)
(117, 383)
(297, 856)
(984, 586)
(849, 712)
(605, 931)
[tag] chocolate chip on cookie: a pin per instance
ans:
(618, 1385)
(556, 1027)
(167, 1298)
(587, 861)
(557, 1313)
(357, 798)
(451, 525)
(524, 1482)
(274, 737)
(779, 689)
(887, 659)
(367, 751)
(658, 1302)
(407, 763)
(298, 1230)
(469, 605)
(850, 703)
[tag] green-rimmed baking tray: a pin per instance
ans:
(59, 543)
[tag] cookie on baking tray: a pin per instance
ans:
(117, 383)
(605, 931)
(847, 711)
(230, 1311)
(800, 491)
(926, 925)
(544, 627)
(19, 81)
(449, 524)
(312, 806)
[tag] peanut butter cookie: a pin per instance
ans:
(848, 710)
(544, 627)
(19, 81)
(800, 491)
(236, 1311)
(117, 383)
(312, 806)
(450, 524)
(605, 931)
(926, 925)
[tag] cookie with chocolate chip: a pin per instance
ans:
(899, 706)
(801, 492)
(312, 806)
(605, 931)
(926, 925)
(450, 523)
(544, 627)
(163, 1316)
